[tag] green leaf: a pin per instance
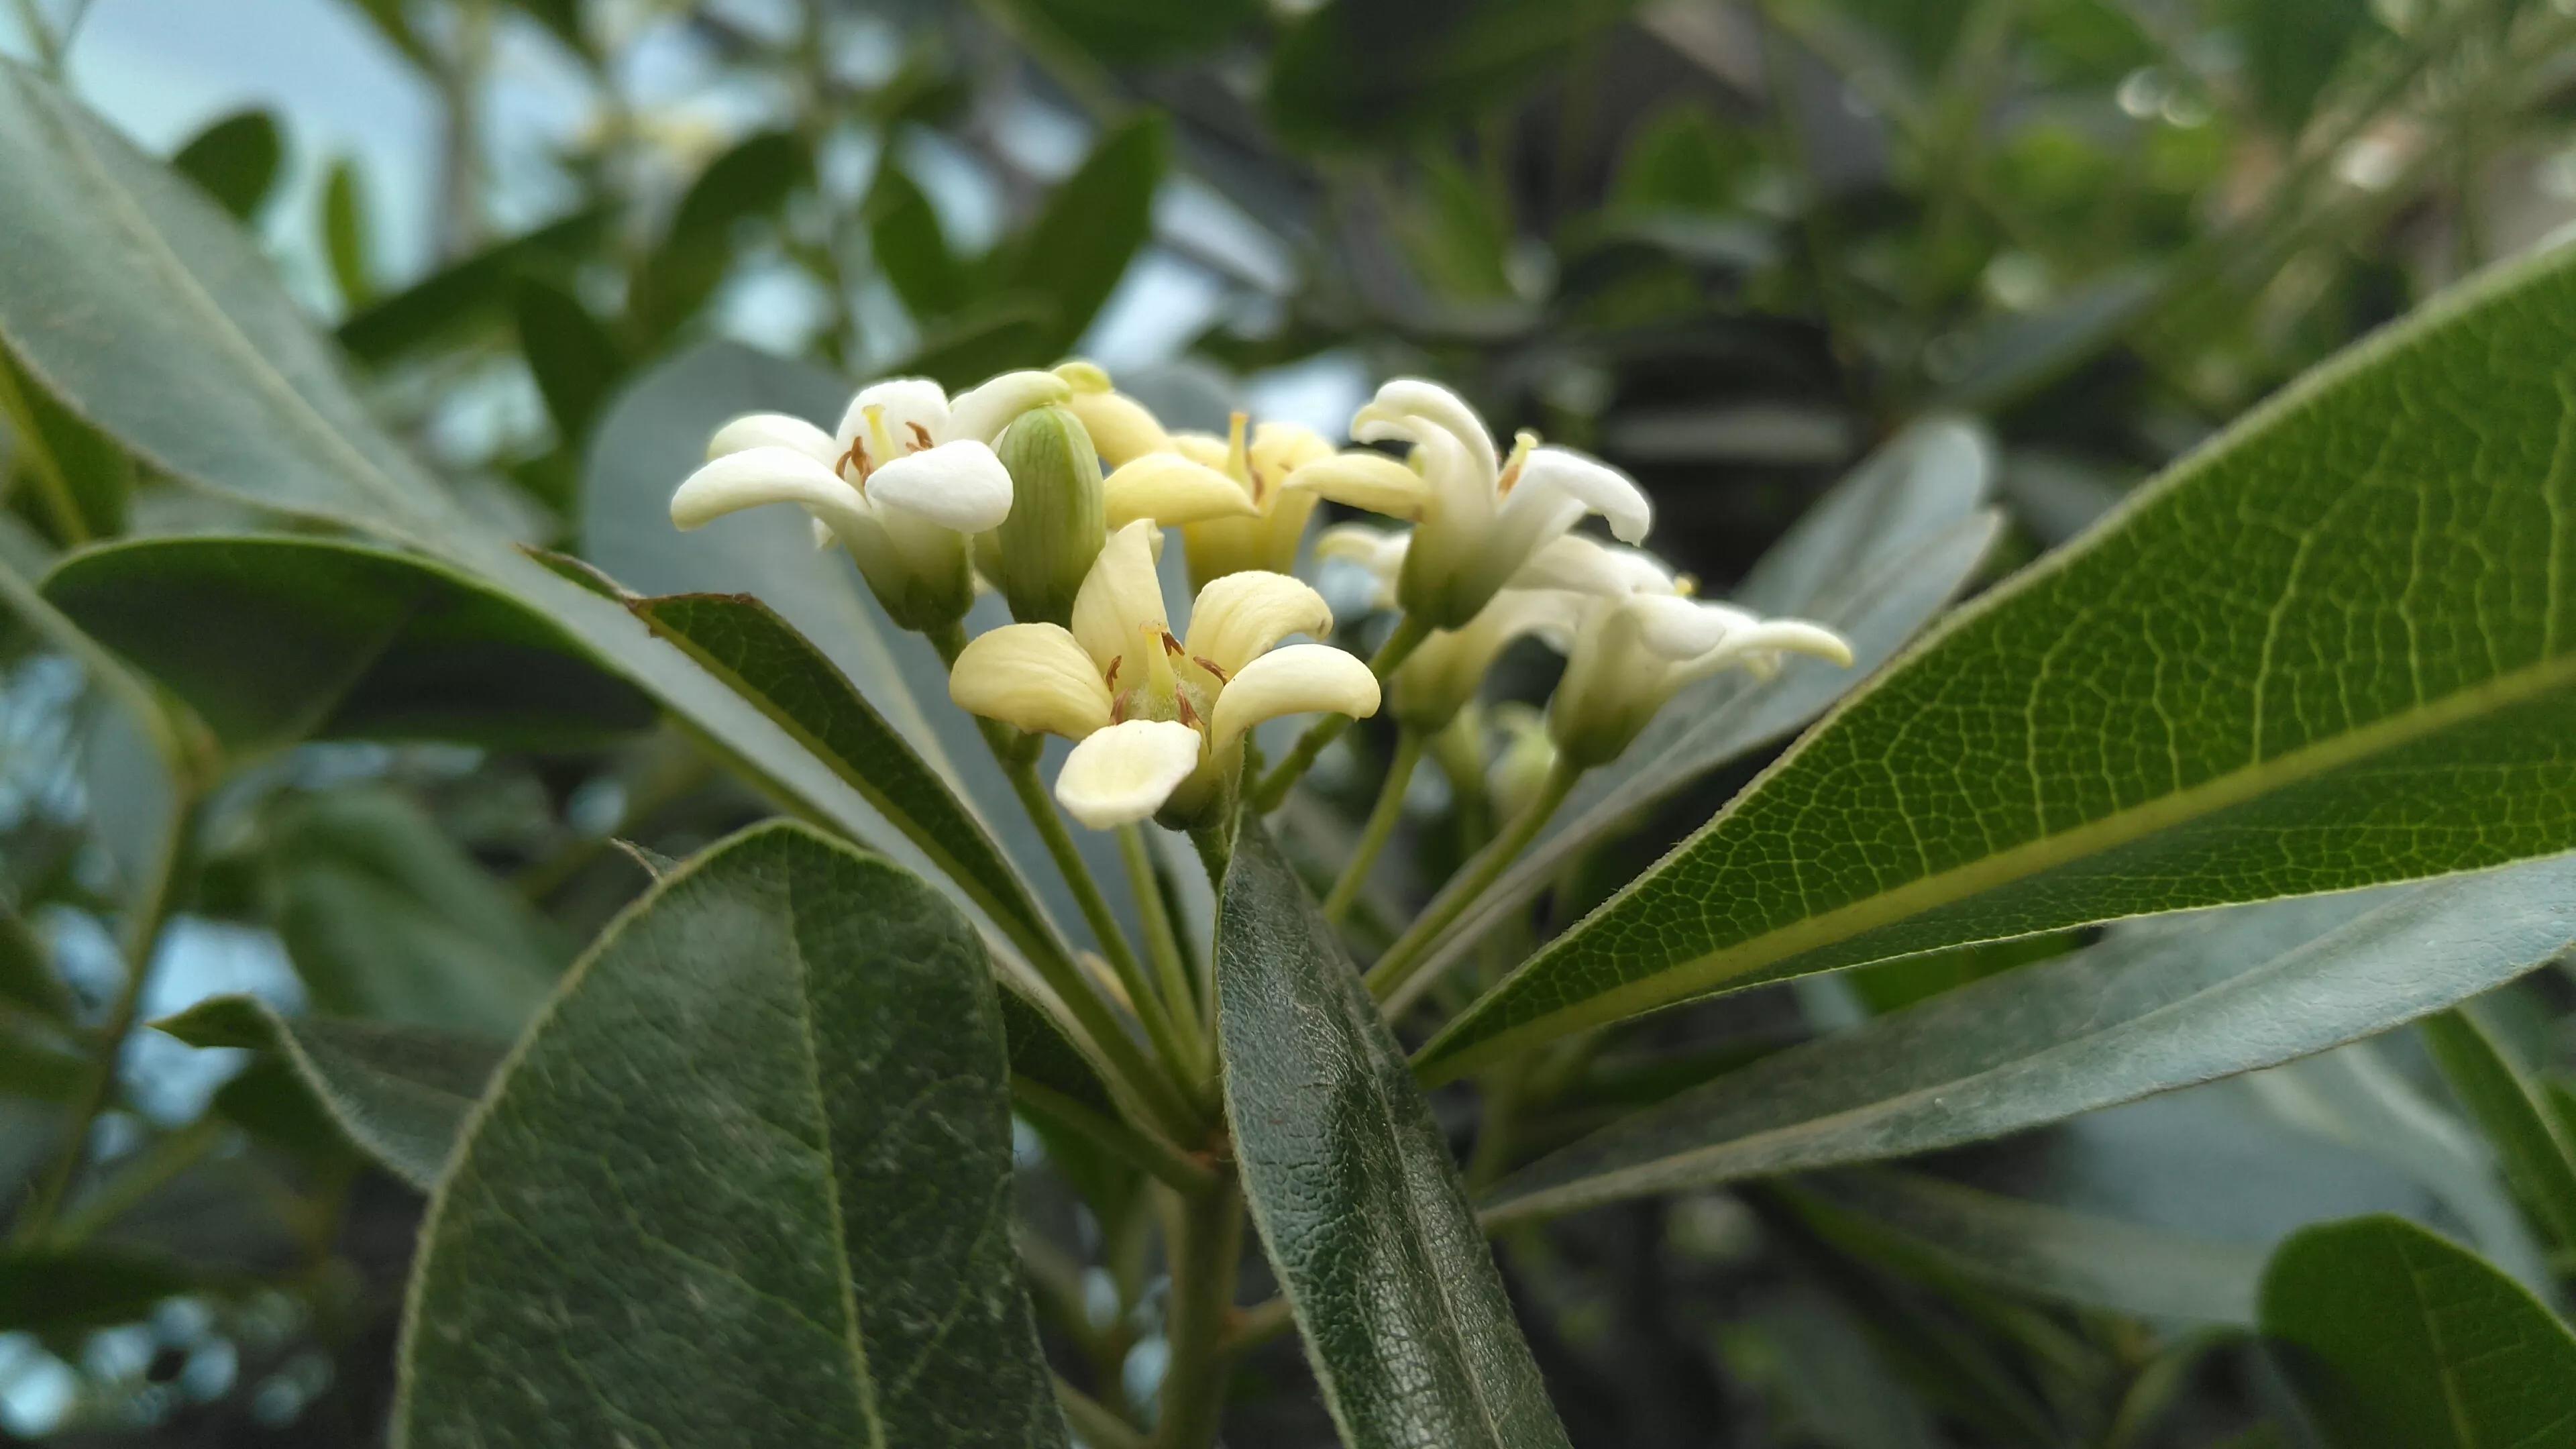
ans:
(2019, 353)
(1352, 1187)
(1877, 558)
(1356, 73)
(2334, 648)
(236, 160)
(26, 970)
(2293, 49)
(471, 295)
(754, 179)
(1014, 329)
(2152, 1008)
(747, 1181)
(345, 236)
(1138, 32)
(1683, 159)
(1094, 223)
(274, 639)
(399, 1094)
(2082, 1259)
(911, 251)
(386, 919)
(2537, 1154)
(2396, 1337)
(575, 362)
(66, 1290)
(83, 478)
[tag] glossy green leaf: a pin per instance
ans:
(1351, 1185)
(345, 235)
(65, 1290)
(911, 249)
(2083, 1259)
(235, 160)
(1094, 224)
(1355, 72)
(2152, 1008)
(1877, 558)
(2533, 1146)
(2336, 647)
(753, 179)
(1014, 329)
(468, 295)
(387, 919)
(80, 477)
(400, 1094)
(747, 1181)
(575, 362)
(2398, 1339)
(273, 638)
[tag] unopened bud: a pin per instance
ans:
(1058, 520)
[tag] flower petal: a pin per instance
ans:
(1571, 561)
(1124, 773)
(1120, 598)
(1279, 449)
(1033, 676)
(1120, 426)
(1678, 628)
(756, 476)
(1372, 481)
(981, 412)
(1378, 550)
(774, 430)
(1169, 488)
(955, 485)
(914, 412)
(1763, 643)
(1600, 488)
(1407, 398)
(1299, 679)
(1237, 617)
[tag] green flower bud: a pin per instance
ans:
(1058, 519)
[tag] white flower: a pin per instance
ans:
(903, 482)
(1479, 517)
(1159, 719)
(1445, 671)
(1640, 636)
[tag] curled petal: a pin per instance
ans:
(1299, 679)
(1371, 481)
(1241, 615)
(955, 485)
(1120, 427)
(913, 410)
(1169, 488)
(1033, 676)
(981, 412)
(1600, 488)
(1764, 642)
(1378, 550)
(1124, 773)
(756, 476)
(1571, 561)
(773, 430)
(1678, 628)
(1413, 398)
(1121, 598)
(1279, 449)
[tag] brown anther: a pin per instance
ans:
(1211, 666)
(1511, 475)
(1118, 710)
(1188, 715)
(920, 437)
(1111, 678)
(1172, 645)
(1254, 476)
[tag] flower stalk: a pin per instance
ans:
(1382, 820)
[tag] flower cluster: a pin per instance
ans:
(1002, 488)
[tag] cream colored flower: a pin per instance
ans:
(1479, 517)
(902, 483)
(1159, 718)
(1640, 637)
(1445, 671)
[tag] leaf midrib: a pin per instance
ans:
(1924, 893)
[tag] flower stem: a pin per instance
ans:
(1405, 957)
(1163, 943)
(1205, 1248)
(1099, 1426)
(1399, 646)
(1381, 825)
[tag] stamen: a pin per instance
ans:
(1686, 585)
(1172, 645)
(920, 437)
(1188, 715)
(1522, 442)
(1210, 665)
(1111, 678)
(880, 442)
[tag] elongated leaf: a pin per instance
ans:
(1094, 224)
(236, 160)
(2532, 1145)
(83, 478)
(2152, 1008)
(911, 250)
(274, 639)
(574, 360)
(27, 976)
(751, 180)
(748, 1181)
(346, 238)
(2334, 648)
(1353, 72)
(2395, 1337)
(1879, 556)
(64, 1290)
(1130, 32)
(1351, 1185)
(2083, 1259)
(470, 294)
(399, 1094)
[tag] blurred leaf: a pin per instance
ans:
(2016, 354)
(575, 362)
(754, 179)
(1683, 158)
(83, 478)
(236, 159)
(2293, 48)
(1351, 1184)
(2534, 1148)
(1453, 229)
(27, 972)
(66, 1290)
(273, 638)
(2149, 1009)
(1129, 33)
(1091, 227)
(387, 920)
(2398, 1339)
(1876, 558)
(686, 1215)
(561, 19)
(911, 251)
(469, 295)
(38, 1065)
(1355, 72)
(400, 1094)
(391, 20)
(2108, 735)
(994, 335)
(345, 234)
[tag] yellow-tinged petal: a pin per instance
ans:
(1124, 773)
(1279, 449)
(1120, 427)
(1121, 598)
(1240, 616)
(981, 412)
(1299, 679)
(1205, 448)
(1169, 488)
(774, 430)
(1034, 676)
(1367, 480)
(761, 475)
